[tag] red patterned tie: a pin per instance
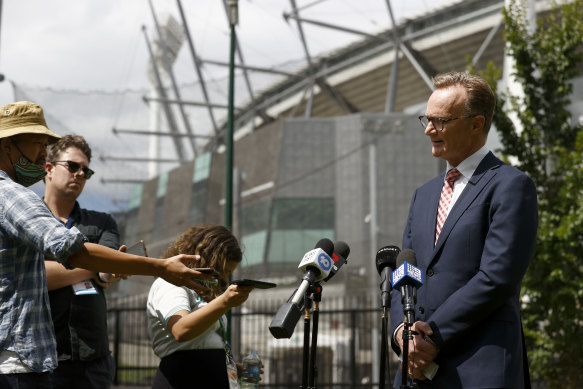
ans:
(445, 199)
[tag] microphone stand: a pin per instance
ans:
(385, 364)
(407, 336)
(384, 349)
(306, 352)
(309, 369)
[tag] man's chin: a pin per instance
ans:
(75, 189)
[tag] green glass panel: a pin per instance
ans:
(291, 245)
(202, 167)
(136, 196)
(162, 185)
(254, 247)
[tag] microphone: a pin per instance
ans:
(407, 277)
(386, 260)
(339, 258)
(316, 265)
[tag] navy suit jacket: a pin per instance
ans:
(472, 276)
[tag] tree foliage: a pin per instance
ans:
(549, 148)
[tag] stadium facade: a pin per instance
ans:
(339, 164)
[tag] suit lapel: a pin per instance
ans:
(481, 177)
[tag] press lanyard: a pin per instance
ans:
(231, 365)
(224, 336)
(84, 287)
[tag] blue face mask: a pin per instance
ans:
(27, 172)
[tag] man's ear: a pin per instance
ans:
(49, 168)
(478, 123)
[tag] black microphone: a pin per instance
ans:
(339, 257)
(317, 265)
(408, 278)
(386, 261)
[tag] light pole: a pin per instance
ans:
(233, 19)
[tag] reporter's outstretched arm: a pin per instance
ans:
(174, 270)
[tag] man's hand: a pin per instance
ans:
(106, 279)
(103, 279)
(116, 277)
(421, 352)
(177, 270)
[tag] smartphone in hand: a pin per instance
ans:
(207, 270)
(137, 248)
(255, 283)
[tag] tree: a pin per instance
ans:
(549, 148)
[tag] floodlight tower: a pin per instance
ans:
(164, 55)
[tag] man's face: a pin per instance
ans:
(458, 140)
(32, 146)
(60, 180)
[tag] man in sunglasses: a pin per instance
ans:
(78, 305)
(29, 233)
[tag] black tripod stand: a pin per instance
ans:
(309, 368)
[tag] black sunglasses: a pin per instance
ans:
(74, 167)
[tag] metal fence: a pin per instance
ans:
(348, 340)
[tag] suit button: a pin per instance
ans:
(421, 310)
(430, 272)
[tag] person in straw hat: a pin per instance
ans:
(29, 233)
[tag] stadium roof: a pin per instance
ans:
(355, 78)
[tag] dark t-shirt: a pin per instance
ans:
(81, 321)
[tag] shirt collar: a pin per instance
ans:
(5, 175)
(469, 165)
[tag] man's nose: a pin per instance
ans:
(42, 156)
(429, 129)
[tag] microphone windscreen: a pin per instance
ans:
(387, 256)
(341, 248)
(407, 255)
(326, 245)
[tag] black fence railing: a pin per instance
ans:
(348, 340)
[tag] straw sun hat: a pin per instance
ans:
(24, 117)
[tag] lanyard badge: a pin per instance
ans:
(230, 360)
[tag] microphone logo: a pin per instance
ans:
(324, 262)
(414, 272)
(407, 273)
(398, 274)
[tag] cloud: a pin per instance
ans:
(86, 63)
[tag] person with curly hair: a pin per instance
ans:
(188, 329)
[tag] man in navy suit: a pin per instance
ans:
(474, 258)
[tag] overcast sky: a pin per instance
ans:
(86, 63)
